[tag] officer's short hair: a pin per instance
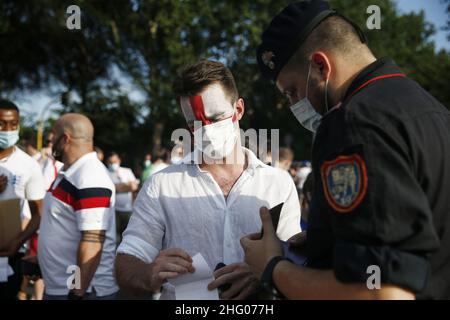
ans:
(333, 34)
(193, 78)
(8, 105)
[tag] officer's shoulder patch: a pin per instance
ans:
(344, 182)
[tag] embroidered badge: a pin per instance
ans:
(267, 57)
(344, 182)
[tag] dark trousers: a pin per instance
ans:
(9, 290)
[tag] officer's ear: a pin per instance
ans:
(322, 63)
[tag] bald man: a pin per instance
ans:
(77, 236)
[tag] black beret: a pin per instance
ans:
(288, 30)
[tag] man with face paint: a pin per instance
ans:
(206, 203)
(20, 177)
(380, 210)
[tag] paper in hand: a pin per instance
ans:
(194, 286)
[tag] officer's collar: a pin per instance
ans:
(378, 68)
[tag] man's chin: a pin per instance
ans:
(229, 159)
(209, 159)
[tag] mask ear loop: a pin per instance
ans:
(326, 94)
(307, 79)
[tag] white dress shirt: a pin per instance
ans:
(183, 207)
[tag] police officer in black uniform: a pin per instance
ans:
(379, 224)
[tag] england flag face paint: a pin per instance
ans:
(209, 106)
(218, 131)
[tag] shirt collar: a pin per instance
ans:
(253, 161)
(87, 157)
(378, 68)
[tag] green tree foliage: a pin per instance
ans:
(148, 41)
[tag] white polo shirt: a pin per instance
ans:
(80, 199)
(25, 180)
(124, 200)
(183, 207)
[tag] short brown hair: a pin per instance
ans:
(194, 78)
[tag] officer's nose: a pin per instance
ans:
(294, 99)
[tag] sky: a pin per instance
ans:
(33, 103)
(435, 12)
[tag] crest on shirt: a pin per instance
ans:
(344, 182)
(15, 180)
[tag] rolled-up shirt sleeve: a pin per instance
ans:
(144, 234)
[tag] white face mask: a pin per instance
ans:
(306, 114)
(304, 111)
(113, 167)
(217, 140)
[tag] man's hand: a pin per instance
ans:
(124, 187)
(298, 241)
(243, 281)
(169, 264)
(134, 185)
(11, 248)
(31, 258)
(3, 183)
(259, 251)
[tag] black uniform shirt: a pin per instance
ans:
(381, 163)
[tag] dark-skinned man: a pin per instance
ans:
(380, 160)
(77, 236)
(20, 177)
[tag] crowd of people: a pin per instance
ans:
(76, 204)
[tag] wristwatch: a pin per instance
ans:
(73, 296)
(267, 276)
